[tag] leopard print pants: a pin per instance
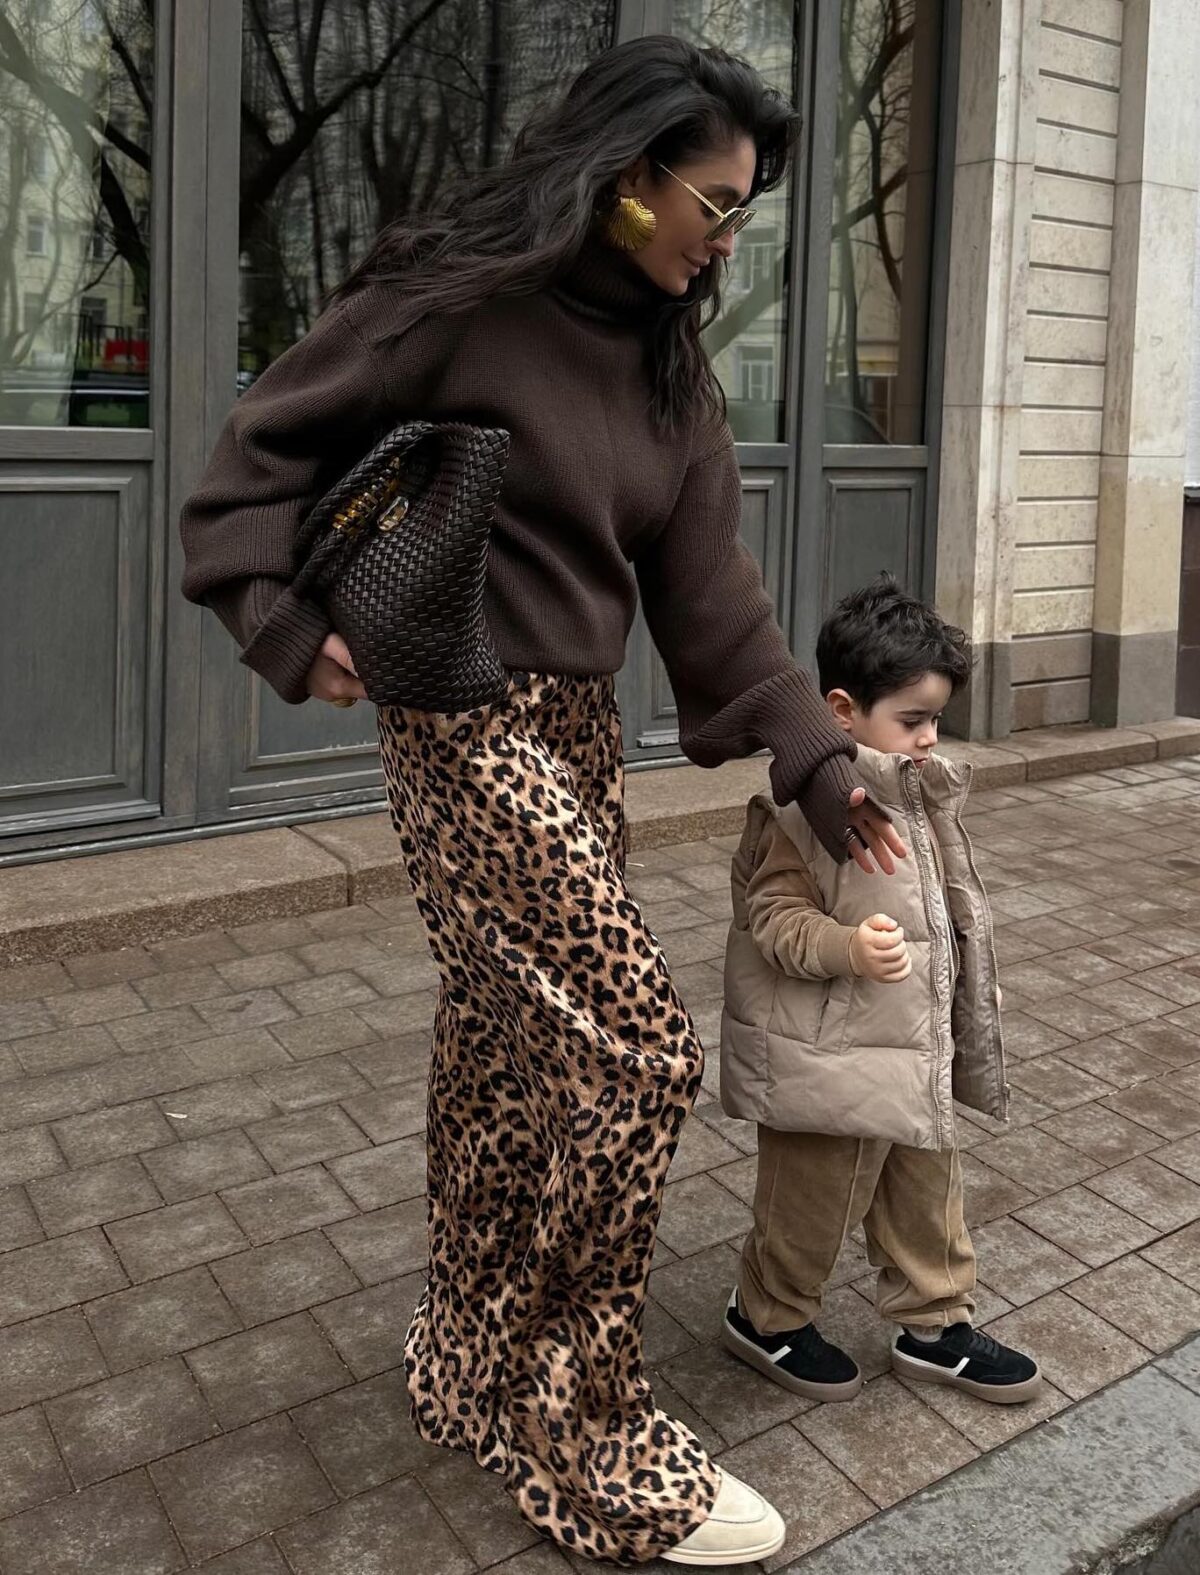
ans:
(564, 1066)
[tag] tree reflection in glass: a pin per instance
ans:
(356, 113)
(76, 84)
(885, 143)
(748, 340)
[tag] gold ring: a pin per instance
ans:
(344, 700)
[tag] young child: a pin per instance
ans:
(848, 1032)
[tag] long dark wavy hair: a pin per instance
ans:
(515, 228)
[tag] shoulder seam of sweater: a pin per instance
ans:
(372, 350)
(725, 446)
(375, 354)
(370, 345)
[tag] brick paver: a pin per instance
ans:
(212, 1220)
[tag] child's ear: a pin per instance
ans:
(841, 708)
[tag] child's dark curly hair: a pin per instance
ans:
(880, 639)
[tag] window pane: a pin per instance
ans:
(353, 116)
(76, 88)
(882, 221)
(748, 341)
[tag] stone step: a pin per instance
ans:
(59, 908)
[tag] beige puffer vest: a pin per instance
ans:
(847, 1056)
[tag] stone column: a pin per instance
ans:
(985, 327)
(1145, 392)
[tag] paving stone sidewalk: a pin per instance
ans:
(212, 1227)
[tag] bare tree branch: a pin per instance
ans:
(126, 237)
(125, 55)
(864, 210)
(308, 70)
(258, 22)
(263, 180)
(81, 122)
(737, 319)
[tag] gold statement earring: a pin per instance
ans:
(630, 225)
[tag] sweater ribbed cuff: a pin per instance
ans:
(793, 721)
(286, 643)
(824, 801)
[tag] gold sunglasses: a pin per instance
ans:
(727, 223)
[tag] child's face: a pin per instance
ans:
(902, 723)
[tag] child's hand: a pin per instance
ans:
(878, 952)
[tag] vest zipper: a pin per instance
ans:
(938, 929)
(993, 965)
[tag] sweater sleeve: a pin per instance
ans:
(785, 917)
(736, 685)
(310, 415)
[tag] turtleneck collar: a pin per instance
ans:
(605, 284)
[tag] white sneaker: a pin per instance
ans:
(741, 1528)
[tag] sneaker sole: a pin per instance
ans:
(831, 1394)
(723, 1558)
(998, 1394)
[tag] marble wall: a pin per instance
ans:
(1062, 394)
(991, 218)
(1142, 465)
(1051, 531)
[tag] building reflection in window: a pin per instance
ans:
(748, 341)
(885, 145)
(76, 87)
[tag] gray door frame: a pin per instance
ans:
(240, 776)
(75, 813)
(830, 474)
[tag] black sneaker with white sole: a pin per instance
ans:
(964, 1358)
(799, 1359)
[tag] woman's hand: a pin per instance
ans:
(332, 676)
(871, 835)
(878, 952)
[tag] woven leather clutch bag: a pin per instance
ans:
(398, 550)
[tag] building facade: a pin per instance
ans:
(945, 346)
(1187, 681)
(1068, 309)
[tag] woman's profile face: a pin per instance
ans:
(679, 250)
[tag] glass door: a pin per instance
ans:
(877, 239)
(826, 345)
(752, 343)
(351, 117)
(80, 615)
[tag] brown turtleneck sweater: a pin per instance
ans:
(597, 505)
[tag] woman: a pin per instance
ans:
(560, 297)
